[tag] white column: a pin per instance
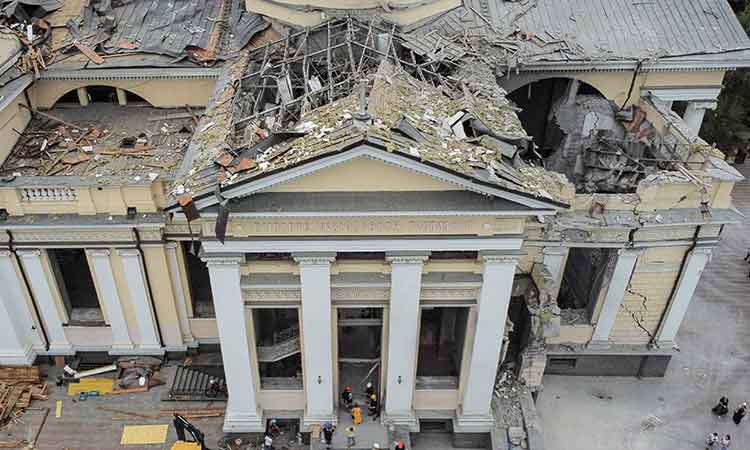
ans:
(618, 284)
(475, 412)
(317, 336)
(678, 305)
(101, 268)
(43, 294)
(179, 293)
(242, 414)
(19, 339)
(694, 116)
(553, 261)
(403, 337)
(135, 277)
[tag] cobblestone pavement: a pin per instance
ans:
(673, 412)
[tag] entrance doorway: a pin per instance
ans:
(360, 341)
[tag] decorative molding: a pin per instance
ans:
(500, 259)
(406, 259)
(48, 194)
(150, 234)
(265, 295)
(73, 235)
(555, 251)
(449, 293)
(324, 259)
(97, 252)
(131, 74)
(363, 245)
(354, 293)
(224, 260)
(669, 94)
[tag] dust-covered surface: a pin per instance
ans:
(103, 141)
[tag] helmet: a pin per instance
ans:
(328, 425)
(376, 445)
(369, 385)
(273, 420)
(373, 397)
(348, 389)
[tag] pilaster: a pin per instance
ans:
(317, 336)
(33, 264)
(102, 270)
(132, 265)
(18, 334)
(695, 262)
(403, 337)
(618, 284)
(242, 412)
(475, 413)
(179, 293)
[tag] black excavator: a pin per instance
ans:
(183, 427)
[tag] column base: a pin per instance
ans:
(24, 357)
(407, 419)
(310, 420)
(243, 423)
(473, 422)
(598, 345)
(142, 350)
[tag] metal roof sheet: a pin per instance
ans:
(580, 30)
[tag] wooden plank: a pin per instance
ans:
(127, 413)
(134, 390)
(14, 374)
(88, 52)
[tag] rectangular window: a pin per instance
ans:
(76, 286)
(199, 282)
(442, 333)
(278, 348)
(587, 272)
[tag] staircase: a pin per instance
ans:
(285, 344)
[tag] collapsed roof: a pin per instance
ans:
(344, 83)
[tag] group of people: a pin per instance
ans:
(373, 410)
(721, 410)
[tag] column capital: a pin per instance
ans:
(407, 257)
(128, 252)
(29, 252)
(631, 251)
(492, 257)
(703, 249)
(223, 260)
(101, 252)
(314, 258)
(171, 244)
(557, 251)
(5, 253)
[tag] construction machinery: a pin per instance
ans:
(183, 427)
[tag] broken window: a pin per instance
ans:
(101, 94)
(587, 272)
(76, 286)
(199, 282)
(679, 107)
(69, 98)
(277, 342)
(441, 346)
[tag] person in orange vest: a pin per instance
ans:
(357, 414)
(400, 446)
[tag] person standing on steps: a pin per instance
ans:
(356, 414)
(400, 445)
(725, 442)
(328, 430)
(350, 437)
(712, 440)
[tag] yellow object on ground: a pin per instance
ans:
(144, 434)
(103, 385)
(58, 409)
(182, 445)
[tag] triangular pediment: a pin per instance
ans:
(377, 178)
(363, 174)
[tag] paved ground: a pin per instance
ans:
(673, 412)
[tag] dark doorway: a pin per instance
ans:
(518, 337)
(442, 333)
(76, 286)
(102, 94)
(360, 333)
(199, 282)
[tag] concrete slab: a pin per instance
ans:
(595, 413)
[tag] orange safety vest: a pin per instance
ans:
(357, 415)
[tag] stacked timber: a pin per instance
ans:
(18, 387)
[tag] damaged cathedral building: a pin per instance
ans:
(431, 195)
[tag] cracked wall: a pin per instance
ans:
(648, 295)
